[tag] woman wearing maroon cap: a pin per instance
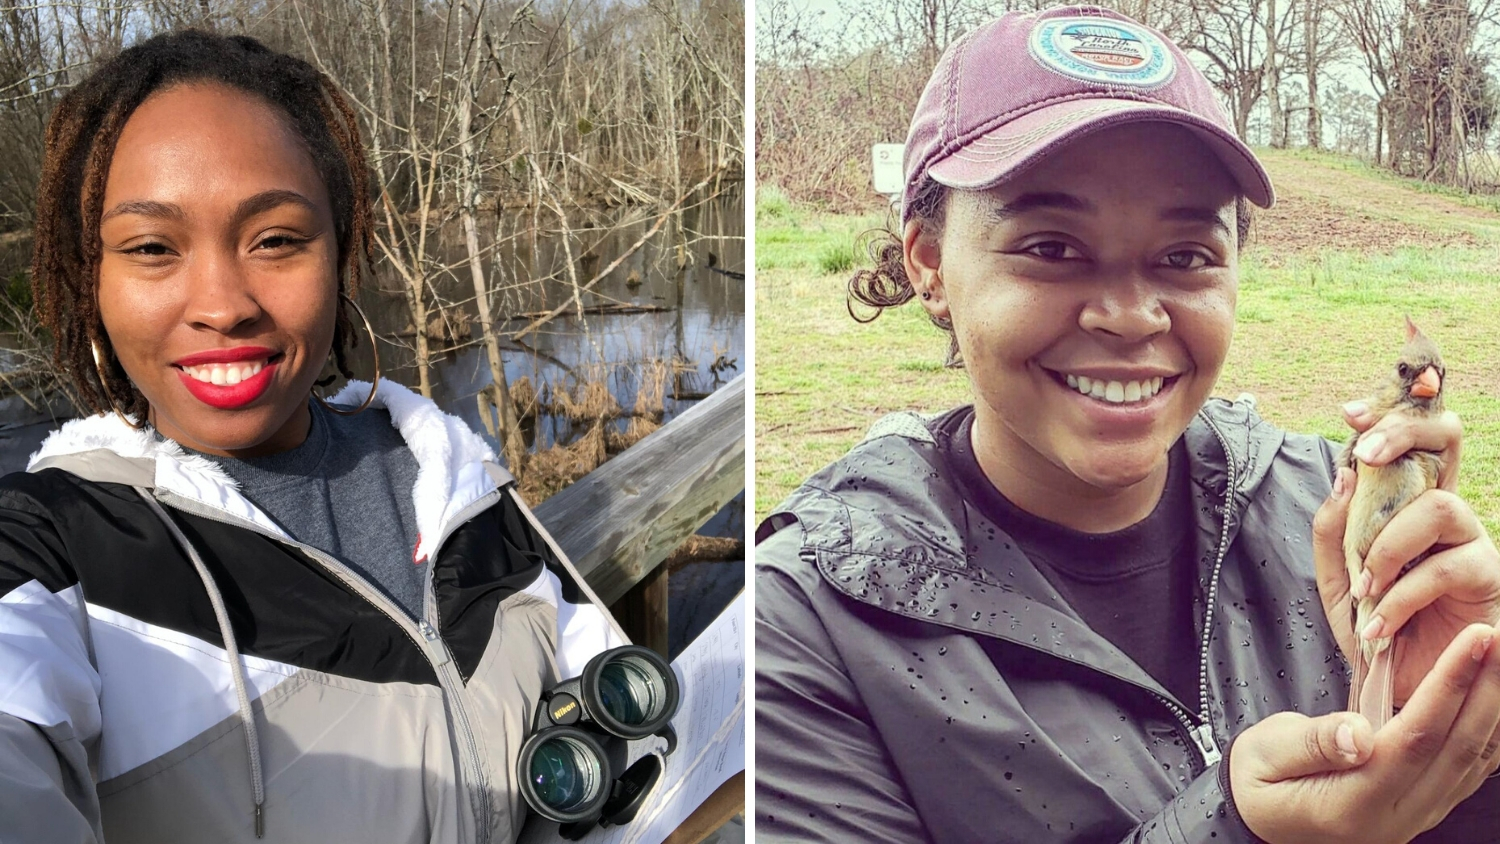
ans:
(1045, 617)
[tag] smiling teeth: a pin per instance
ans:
(1116, 392)
(225, 374)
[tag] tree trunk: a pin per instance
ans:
(412, 273)
(512, 441)
(1311, 23)
(1273, 79)
(1242, 107)
(1379, 131)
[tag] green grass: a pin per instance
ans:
(771, 204)
(1312, 331)
(836, 258)
(1360, 170)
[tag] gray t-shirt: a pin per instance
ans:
(346, 490)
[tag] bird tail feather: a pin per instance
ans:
(1373, 692)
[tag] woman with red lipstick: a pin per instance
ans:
(229, 609)
(1078, 610)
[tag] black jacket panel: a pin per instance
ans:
(284, 606)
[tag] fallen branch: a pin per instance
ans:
(705, 549)
(600, 309)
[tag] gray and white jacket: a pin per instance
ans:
(918, 679)
(175, 668)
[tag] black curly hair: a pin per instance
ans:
(885, 285)
(80, 143)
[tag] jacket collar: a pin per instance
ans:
(1230, 440)
(455, 467)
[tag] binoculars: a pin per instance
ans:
(572, 767)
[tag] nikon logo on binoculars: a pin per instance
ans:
(561, 712)
(572, 767)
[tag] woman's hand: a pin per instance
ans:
(1331, 780)
(1384, 438)
(1456, 584)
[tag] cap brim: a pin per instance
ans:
(1001, 153)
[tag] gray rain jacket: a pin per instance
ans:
(918, 679)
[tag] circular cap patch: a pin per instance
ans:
(1103, 51)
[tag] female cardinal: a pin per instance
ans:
(1414, 387)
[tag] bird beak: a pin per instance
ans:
(1427, 384)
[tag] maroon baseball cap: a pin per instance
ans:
(1018, 88)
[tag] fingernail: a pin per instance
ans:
(1344, 738)
(1356, 409)
(1339, 484)
(1482, 647)
(1360, 587)
(1369, 447)
(1372, 630)
(1366, 583)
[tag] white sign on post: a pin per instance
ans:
(885, 169)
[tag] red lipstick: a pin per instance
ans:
(229, 396)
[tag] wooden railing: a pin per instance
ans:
(619, 522)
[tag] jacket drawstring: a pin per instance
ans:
(247, 715)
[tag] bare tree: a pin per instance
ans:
(1375, 28)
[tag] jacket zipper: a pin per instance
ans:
(1202, 733)
(427, 640)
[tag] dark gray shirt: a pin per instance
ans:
(346, 490)
(1134, 586)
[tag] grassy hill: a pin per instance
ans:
(1325, 280)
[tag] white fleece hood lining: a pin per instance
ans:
(450, 460)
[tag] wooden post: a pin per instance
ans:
(643, 611)
(727, 801)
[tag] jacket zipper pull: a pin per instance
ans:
(435, 646)
(1203, 736)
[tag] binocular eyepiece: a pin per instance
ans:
(572, 767)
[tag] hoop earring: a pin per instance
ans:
(104, 385)
(374, 352)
